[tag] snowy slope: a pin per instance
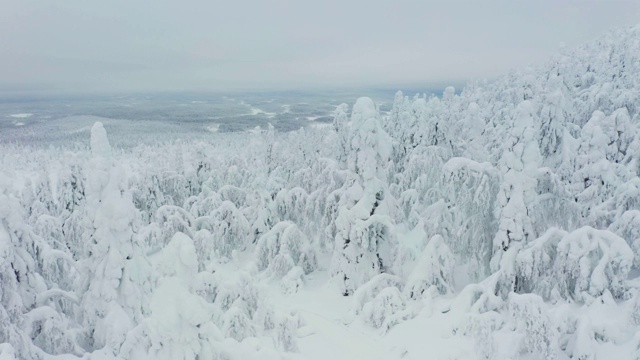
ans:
(500, 223)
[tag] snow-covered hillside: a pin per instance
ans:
(500, 223)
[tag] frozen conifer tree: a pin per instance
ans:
(627, 226)
(472, 125)
(577, 265)
(148, 197)
(112, 292)
(341, 128)
(283, 248)
(32, 315)
(170, 219)
(286, 333)
(538, 336)
(469, 190)
(520, 162)
(204, 203)
(180, 325)
(553, 120)
(71, 200)
(229, 228)
(432, 126)
(434, 268)
(265, 216)
(604, 164)
(365, 239)
(291, 205)
(400, 125)
(42, 199)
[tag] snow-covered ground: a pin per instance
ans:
(502, 222)
(20, 116)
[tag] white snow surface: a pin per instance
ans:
(499, 223)
(20, 116)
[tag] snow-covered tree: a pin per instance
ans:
(365, 239)
(229, 229)
(434, 268)
(112, 282)
(35, 317)
(520, 163)
(291, 205)
(341, 127)
(538, 336)
(470, 190)
(284, 247)
(575, 265)
(180, 324)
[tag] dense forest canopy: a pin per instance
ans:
(511, 209)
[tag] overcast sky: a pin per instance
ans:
(140, 45)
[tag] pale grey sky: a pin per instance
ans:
(146, 45)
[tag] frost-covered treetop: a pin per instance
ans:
(363, 110)
(99, 142)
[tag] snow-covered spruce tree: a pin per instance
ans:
(519, 164)
(421, 145)
(472, 125)
(148, 197)
(386, 309)
(18, 292)
(229, 229)
(365, 238)
(49, 229)
(204, 203)
(400, 124)
(322, 205)
(112, 285)
(469, 190)
(236, 195)
(381, 303)
(180, 325)
(240, 308)
(286, 331)
(291, 205)
(537, 335)
(602, 73)
(329, 215)
(321, 180)
(627, 226)
(41, 199)
(553, 118)
(173, 182)
(433, 269)
(71, 199)
(417, 125)
(341, 129)
(576, 265)
(265, 216)
(432, 125)
(602, 164)
(284, 247)
(199, 167)
(33, 321)
(422, 171)
(237, 324)
(169, 219)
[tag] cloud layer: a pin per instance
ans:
(164, 45)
